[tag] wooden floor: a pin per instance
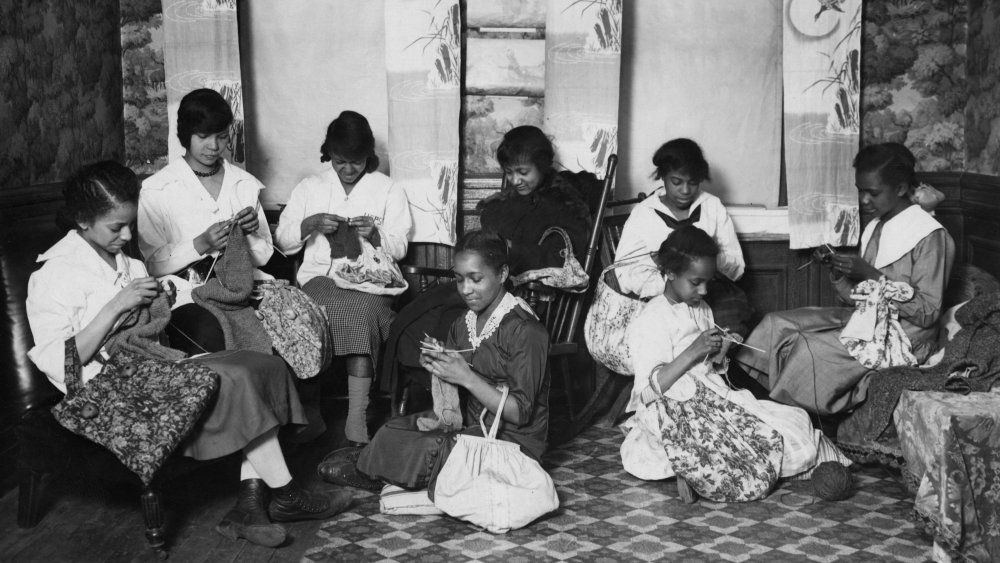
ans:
(84, 521)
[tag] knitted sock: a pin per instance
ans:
(140, 332)
(227, 296)
(446, 407)
(356, 426)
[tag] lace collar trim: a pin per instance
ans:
(506, 305)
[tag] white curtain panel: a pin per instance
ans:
(821, 58)
(424, 66)
(201, 49)
(583, 44)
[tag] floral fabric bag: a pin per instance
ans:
(725, 453)
(569, 277)
(297, 327)
(138, 407)
(373, 271)
(606, 326)
(491, 483)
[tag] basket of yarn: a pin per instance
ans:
(832, 481)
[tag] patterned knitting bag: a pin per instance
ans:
(297, 327)
(725, 453)
(138, 407)
(606, 326)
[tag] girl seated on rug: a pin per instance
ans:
(805, 363)
(187, 211)
(535, 197)
(497, 342)
(676, 348)
(679, 200)
(326, 214)
(86, 289)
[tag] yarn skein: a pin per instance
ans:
(832, 481)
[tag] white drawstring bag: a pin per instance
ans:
(491, 484)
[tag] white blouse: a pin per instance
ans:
(65, 295)
(175, 209)
(374, 194)
(644, 231)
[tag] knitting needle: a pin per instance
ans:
(804, 265)
(734, 341)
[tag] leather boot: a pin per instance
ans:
(292, 503)
(248, 519)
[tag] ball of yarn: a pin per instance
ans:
(832, 481)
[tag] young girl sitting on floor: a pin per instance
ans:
(677, 348)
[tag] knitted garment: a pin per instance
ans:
(344, 243)
(873, 335)
(227, 297)
(971, 363)
(140, 332)
(447, 409)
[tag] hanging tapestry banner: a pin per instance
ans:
(201, 50)
(821, 60)
(423, 61)
(583, 45)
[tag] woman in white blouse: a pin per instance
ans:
(186, 211)
(681, 168)
(326, 213)
(84, 289)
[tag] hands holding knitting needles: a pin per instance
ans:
(449, 365)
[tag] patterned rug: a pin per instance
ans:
(607, 515)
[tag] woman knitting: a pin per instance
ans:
(805, 363)
(497, 342)
(328, 214)
(681, 168)
(534, 198)
(82, 294)
(187, 212)
(679, 354)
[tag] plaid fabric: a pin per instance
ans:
(359, 322)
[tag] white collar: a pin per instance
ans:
(899, 234)
(78, 252)
(656, 203)
(506, 305)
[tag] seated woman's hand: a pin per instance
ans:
(365, 226)
(853, 267)
(449, 366)
(322, 223)
(138, 292)
(247, 220)
(214, 239)
(708, 343)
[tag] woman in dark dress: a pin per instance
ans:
(534, 197)
(497, 343)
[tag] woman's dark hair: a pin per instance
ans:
(95, 190)
(489, 246)
(893, 162)
(526, 143)
(202, 112)
(681, 155)
(349, 136)
(684, 246)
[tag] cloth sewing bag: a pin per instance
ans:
(373, 271)
(725, 453)
(297, 327)
(491, 483)
(606, 326)
(139, 407)
(569, 277)
(873, 334)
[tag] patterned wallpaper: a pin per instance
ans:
(60, 95)
(982, 112)
(914, 81)
(144, 81)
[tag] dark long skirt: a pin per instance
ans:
(256, 394)
(359, 322)
(805, 364)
